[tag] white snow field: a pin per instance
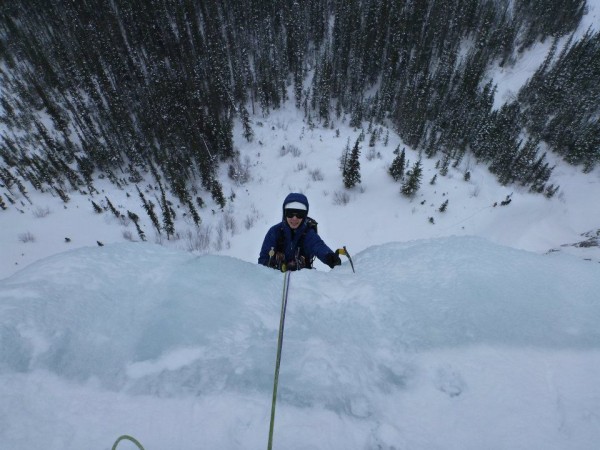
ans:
(449, 343)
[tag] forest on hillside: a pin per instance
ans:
(124, 88)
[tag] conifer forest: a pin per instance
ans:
(130, 89)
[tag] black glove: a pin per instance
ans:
(333, 260)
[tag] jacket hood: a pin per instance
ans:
(294, 197)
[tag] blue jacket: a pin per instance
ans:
(307, 237)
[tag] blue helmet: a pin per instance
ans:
(297, 198)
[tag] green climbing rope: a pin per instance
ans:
(128, 438)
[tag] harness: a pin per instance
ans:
(301, 261)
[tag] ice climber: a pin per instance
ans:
(293, 243)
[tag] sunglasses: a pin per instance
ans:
(299, 213)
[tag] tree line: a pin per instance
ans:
(126, 87)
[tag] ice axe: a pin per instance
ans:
(344, 251)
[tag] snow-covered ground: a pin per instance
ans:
(286, 156)
(464, 333)
(449, 343)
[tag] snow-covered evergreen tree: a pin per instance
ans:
(413, 180)
(351, 172)
(396, 170)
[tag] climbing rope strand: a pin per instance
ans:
(286, 286)
(127, 438)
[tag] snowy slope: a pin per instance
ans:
(287, 155)
(375, 212)
(451, 343)
(449, 336)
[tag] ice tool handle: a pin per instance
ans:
(344, 251)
